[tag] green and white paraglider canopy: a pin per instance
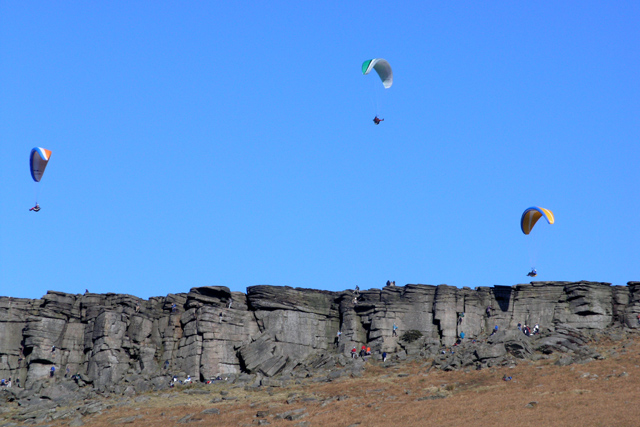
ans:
(383, 69)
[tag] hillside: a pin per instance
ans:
(599, 393)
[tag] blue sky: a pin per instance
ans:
(232, 143)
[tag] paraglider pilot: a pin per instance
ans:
(36, 208)
(532, 273)
(377, 121)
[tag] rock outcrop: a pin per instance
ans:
(63, 344)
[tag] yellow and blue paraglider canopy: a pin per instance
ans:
(38, 162)
(532, 215)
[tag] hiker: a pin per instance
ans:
(384, 356)
(368, 351)
(354, 353)
(188, 380)
(52, 372)
(395, 331)
(495, 330)
(489, 311)
(9, 383)
(66, 374)
(53, 349)
(174, 307)
(337, 340)
(519, 326)
(536, 329)
(461, 335)
(460, 316)
(166, 364)
(137, 307)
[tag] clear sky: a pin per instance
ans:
(232, 143)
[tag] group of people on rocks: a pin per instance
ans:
(529, 331)
(364, 351)
(7, 382)
(175, 381)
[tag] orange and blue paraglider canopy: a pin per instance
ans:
(38, 162)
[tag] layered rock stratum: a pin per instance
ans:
(121, 344)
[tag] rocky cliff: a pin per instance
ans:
(123, 344)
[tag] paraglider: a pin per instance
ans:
(383, 68)
(38, 160)
(529, 219)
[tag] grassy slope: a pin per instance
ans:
(599, 393)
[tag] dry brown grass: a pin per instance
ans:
(600, 393)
